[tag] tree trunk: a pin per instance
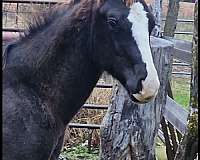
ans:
(188, 148)
(157, 11)
(129, 130)
(171, 18)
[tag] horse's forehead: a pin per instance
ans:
(118, 12)
(137, 12)
(116, 7)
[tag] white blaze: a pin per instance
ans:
(138, 17)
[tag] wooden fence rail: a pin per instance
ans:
(182, 20)
(176, 115)
(94, 106)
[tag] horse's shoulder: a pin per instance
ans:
(22, 102)
(19, 99)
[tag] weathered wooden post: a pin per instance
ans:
(157, 10)
(129, 130)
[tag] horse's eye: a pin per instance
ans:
(112, 22)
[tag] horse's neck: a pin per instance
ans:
(70, 87)
(61, 71)
(63, 77)
(43, 42)
(33, 51)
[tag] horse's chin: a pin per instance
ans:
(132, 97)
(135, 100)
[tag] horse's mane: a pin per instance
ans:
(40, 20)
(43, 19)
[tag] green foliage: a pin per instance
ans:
(182, 100)
(184, 37)
(160, 150)
(181, 91)
(193, 124)
(183, 27)
(161, 153)
(79, 152)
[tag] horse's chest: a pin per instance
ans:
(28, 125)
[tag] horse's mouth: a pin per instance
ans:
(136, 98)
(136, 101)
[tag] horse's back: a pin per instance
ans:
(26, 129)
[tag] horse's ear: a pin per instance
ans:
(150, 8)
(128, 3)
(99, 3)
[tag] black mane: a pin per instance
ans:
(42, 19)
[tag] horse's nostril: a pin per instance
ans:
(139, 88)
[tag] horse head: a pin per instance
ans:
(122, 47)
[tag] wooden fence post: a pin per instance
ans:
(129, 130)
(171, 18)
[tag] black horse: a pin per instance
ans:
(50, 72)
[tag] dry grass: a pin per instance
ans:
(75, 136)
